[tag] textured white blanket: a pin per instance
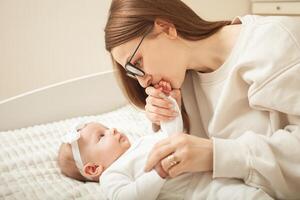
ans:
(28, 165)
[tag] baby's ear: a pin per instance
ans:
(92, 170)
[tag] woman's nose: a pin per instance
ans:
(144, 81)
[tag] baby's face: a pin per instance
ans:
(101, 145)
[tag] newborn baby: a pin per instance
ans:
(89, 150)
(107, 156)
(93, 152)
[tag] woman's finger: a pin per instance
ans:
(162, 103)
(168, 162)
(155, 118)
(159, 151)
(165, 164)
(161, 172)
(176, 170)
(160, 111)
(151, 91)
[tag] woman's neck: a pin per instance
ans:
(209, 54)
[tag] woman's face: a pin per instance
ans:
(160, 57)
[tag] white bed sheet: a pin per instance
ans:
(28, 157)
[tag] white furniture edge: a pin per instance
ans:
(275, 1)
(291, 8)
(88, 95)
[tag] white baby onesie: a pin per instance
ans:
(125, 179)
(175, 125)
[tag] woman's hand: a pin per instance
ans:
(158, 168)
(192, 154)
(158, 108)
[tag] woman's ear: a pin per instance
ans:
(92, 170)
(161, 25)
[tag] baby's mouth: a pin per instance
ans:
(125, 139)
(122, 137)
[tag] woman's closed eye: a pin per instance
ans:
(138, 63)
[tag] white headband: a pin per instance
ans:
(71, 138)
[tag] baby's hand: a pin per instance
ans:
(164, 86)
(159, 108)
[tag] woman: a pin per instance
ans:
(237, 83)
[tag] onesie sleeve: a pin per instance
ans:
(120, 185)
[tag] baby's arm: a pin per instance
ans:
(176, 125)
(120, 185)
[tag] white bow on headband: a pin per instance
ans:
(71, 138)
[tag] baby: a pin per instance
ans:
(106, 155)
(93, 152)
(89, 149)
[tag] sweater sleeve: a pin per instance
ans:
(270, 162)
(119, 185)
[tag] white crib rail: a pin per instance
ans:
(88, 95)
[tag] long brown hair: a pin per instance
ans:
(130, 19)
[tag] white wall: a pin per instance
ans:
(47, 41)
(220, 9)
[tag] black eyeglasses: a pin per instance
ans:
(131, 70)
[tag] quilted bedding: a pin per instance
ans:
(28, 157)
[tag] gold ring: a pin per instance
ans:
(171, 159)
